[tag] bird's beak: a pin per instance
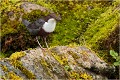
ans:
(58, 18)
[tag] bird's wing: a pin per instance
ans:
(37, 24)
(34, 27)
(33, 31)
(25, 22)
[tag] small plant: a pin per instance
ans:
(67, 68)
(116, 57)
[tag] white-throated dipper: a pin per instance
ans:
(42, 26)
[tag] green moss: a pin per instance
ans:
(49, 5)
(74, 22)
(102, 28)
(34, 15)
(67, 68)
(3, 55)
(18, 64)
(7, 25)
(7, 28)
(17, 55)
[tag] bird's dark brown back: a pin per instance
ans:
(37, 24)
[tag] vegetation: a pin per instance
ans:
(82, 23)
(19, 65)
(90, 23)
(116, 57)
(13, 76)
(17, 55)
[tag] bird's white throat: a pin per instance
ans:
(50, 25)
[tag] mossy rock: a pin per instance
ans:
(101, 30)
(34, 15)
(59, 62)
(13, 31)
(82, 23)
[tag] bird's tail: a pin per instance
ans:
(25, 22)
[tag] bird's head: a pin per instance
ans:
(55, 16)
(51, 20)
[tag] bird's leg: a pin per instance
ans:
(39, 43)
(45, 41)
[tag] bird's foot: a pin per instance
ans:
(44, 49)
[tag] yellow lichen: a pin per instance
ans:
(74, 75)
(4, 68)
(85, 76)
(74, 55)
(13, 76)
(17, 55)
(43, 62)
(72, 45)
(45, 67)
(3, 77)
(61, 59)
(57, 58)
(18, 64)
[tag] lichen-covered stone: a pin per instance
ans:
(28, 7)
(17, 55)
(59, 62)
(8, 71)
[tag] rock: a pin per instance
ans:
(6, 68)
(60, 62)
(28, 7)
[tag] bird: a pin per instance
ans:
(42, 27)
